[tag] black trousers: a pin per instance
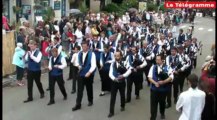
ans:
(146, 71)
(88, 82)
(157, 97)
(168, 95)
(194, 62)
(74, 77)
(105, 81)
(70, 70)
(115, 87)
(178, 83)
(34, 76)
(49, 79)
(136, 79)
(20, 73)
(60, 82)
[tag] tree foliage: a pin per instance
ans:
(49, 14)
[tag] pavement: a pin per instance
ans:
(15, 109)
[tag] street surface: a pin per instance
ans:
(15, 109)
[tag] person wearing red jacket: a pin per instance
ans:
(208, 75)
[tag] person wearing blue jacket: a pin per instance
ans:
(34, 70)
(18, 60)
(160, 76)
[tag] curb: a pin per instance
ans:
(8, 81)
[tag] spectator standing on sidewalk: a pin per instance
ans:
(191, 102)
(18, 60)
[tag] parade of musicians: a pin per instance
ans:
(137, 65)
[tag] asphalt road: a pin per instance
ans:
(15, 109)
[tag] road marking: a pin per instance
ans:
(200, 28)
(210, 29)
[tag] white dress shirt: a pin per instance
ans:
(110, 61)
(79, 36)
(37, 59)
(170, 71)
(63, 63)
(126, 74)
(144, 63)
(74, 58)
(93, 61)
(191, 104)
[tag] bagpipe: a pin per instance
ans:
(121, 70)
(136, 62)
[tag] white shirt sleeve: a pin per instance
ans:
(170, 73)
(93, 63)
(167, 60)
(64, 64)
(38, 58)
(126, 74)
(49, 65)
(111, 72)
(144, 62)
(150, 71)
(60, 49)
(179, 103)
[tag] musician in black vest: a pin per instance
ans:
(181, 37)
(175, 62)
(87, 66)
(160, 75)
(34, 70)
(72, 47)
(147, 53)
(54, 44)
(74, 68)
(56, 65)
(136, 62)
(118, 74)
(186, 69)
(156, 49)
(106, 58)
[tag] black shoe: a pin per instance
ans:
(101, 94)
(90, 103)
(168, 105)
(122, 109)
(65, 97)
(162, 116)
(77, 107)
(73, 92)
(110, 115)
(137, 97)
(51, 102)
(28, 100)
(48, 89)
(42, 96)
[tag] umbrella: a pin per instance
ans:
(74, 11)
(132, 10)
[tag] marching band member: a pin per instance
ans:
(106, 58)
(181, 37)
(194, 49)
(34, 70)
(174, 61)
(74, 68)
(160, 76)
(150, 36)
(54, 44)
(136, 62)
(147, 53)
(87, 65)
(56, 65)
(156, 48)
(118, 74)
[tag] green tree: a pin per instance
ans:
(49, 14)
